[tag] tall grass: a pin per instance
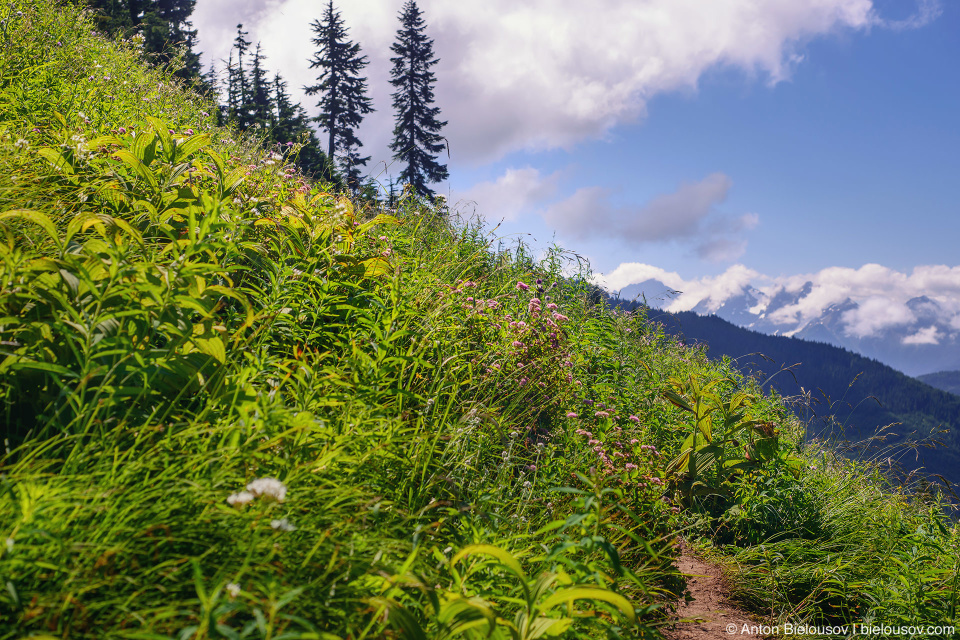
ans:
(239, 405)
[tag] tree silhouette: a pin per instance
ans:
(343, 91)
(416, 136)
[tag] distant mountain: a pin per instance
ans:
(860, 393)
(916, 338)
(948, 381)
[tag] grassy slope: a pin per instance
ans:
(181, 315)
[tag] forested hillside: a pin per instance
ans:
(842, 393)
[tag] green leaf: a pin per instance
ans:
(212, 347)
(586, 592)
(193, 144)
(505, 558)
(678, 400)
(36, 218)
(137, 165)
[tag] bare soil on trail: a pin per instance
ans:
(711, 614)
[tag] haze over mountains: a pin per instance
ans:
(910, 322)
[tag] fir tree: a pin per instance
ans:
(239, 86)
(343, 101)
(416, 136)
(260, 108)
(165, 25)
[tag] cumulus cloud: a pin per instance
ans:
(689, 213)
(712, 290)
(927, 335)
(871, 299)
(515, 192)
(542, 74)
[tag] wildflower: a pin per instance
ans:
(527, 484)
(551, 305)
(634, 418)
(634, 441)
(240, 499)
(233, 589)
(282, 525)
(571, 414)
(269, 488)
(21, 144)
(188, 132)
(630, 466)
(559, 317)
(204, 114)
(602, 414)
(517, 344)
(522, 286)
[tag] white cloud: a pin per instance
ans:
(874, 314)
(927, 335)
(540, 74)
(880, 295)
(713, 290)
(687, 214)
(517, 191)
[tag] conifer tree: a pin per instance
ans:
(260, 109)
(239, 85)
(416, 136)
(165, 25)
(343, 101)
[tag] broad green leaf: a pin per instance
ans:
(590, 593)
(212, 347)
(499, 554)
(137, 165)
(36, 218)
(57, 159)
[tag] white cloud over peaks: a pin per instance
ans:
(881, 296)
(927, 335)
(538, 74)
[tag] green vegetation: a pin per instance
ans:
(239, 405)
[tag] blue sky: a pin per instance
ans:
(709, 144)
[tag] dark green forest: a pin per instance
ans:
(842, 395)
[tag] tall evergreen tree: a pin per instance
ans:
(260, 108)
(343, 101)
(165, 25)
(239, 84)
(416, 136)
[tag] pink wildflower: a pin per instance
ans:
(602, 414)
(522, 286)
(634, 418)
(571, 414)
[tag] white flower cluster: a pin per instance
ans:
(261, 487)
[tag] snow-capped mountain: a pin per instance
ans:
(918, 335)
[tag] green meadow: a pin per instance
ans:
(238, 404)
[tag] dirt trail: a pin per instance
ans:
(710, 614)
